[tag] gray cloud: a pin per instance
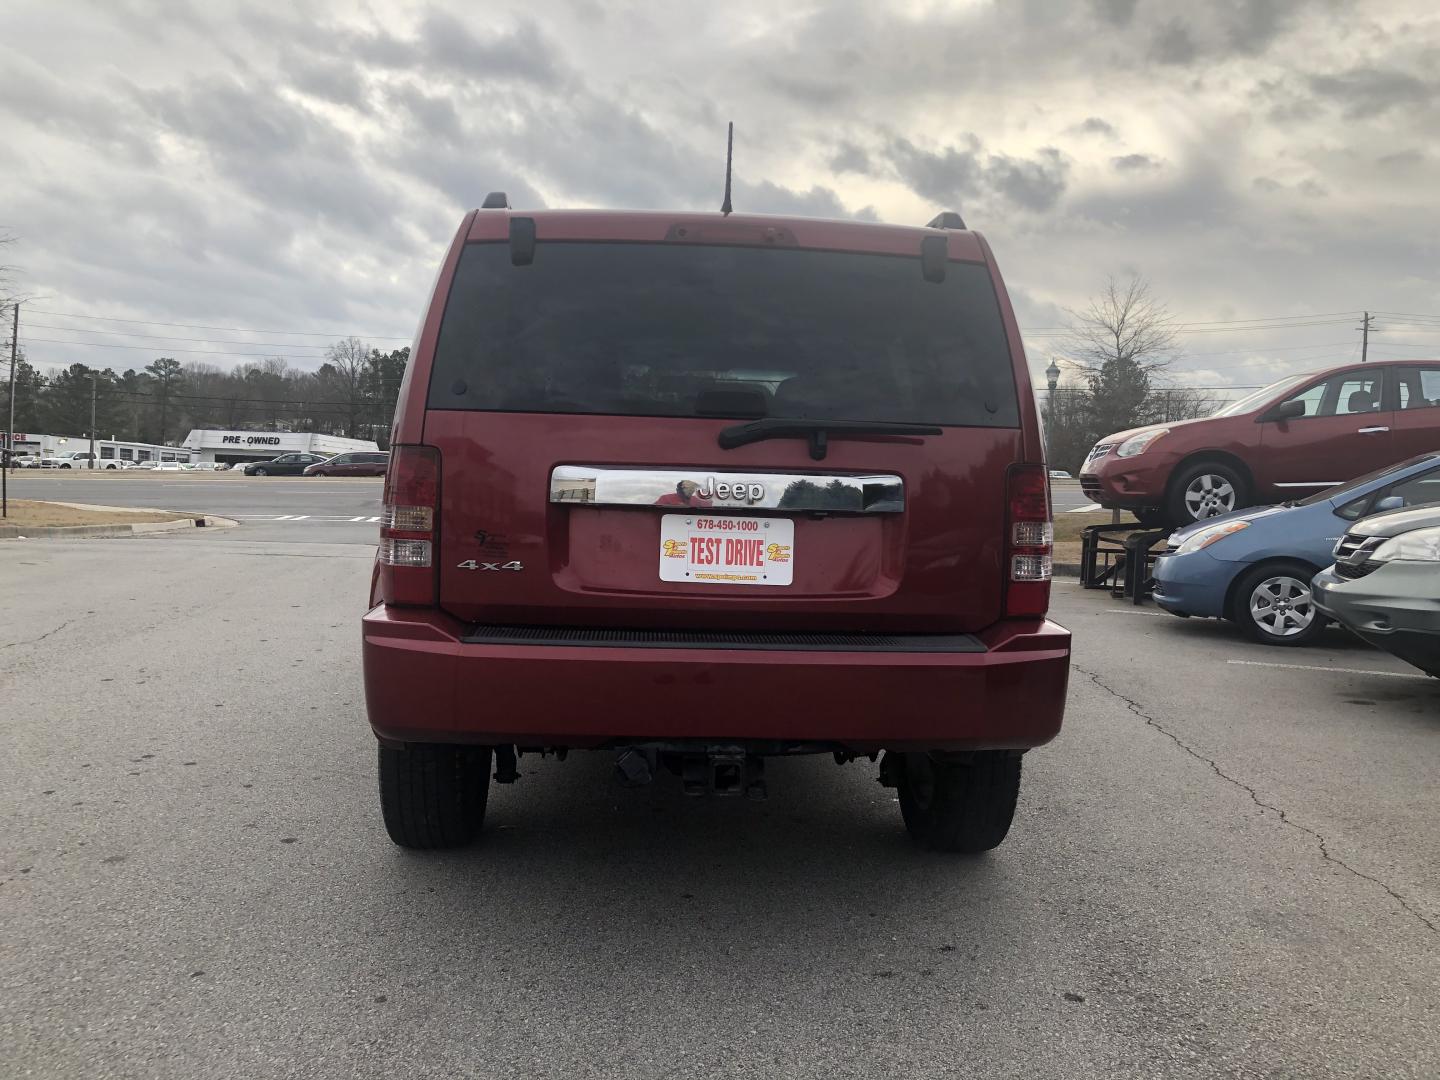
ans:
(953, 177)
(1093, 125)
(822, 202)
(1402, 160)
(1173, 44)
(1135, 163)
(435, 115)
(1364, 92)
(1115, 12)
(850, 158)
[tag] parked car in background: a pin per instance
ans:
(284, 465)
(1295, 437)
(168, 466)
(1255, 567)
(1060, 474)
(355, 463)
(1385, 584)
(78, 459)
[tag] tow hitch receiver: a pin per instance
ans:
(724, 770)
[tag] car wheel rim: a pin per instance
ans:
(1281, 606)
(1209, 496)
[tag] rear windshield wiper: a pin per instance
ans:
(817, 431)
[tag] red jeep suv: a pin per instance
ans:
(1294, 438)
(699, 489)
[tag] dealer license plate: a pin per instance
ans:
(719, 549)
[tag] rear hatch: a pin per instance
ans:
(591, 412)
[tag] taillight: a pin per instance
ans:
(411, 505)
(1030, 540)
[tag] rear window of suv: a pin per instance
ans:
(647, 329)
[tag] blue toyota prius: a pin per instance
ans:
(1254, 566)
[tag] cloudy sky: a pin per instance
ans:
(294, 167)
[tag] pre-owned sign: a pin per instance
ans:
(250, 440)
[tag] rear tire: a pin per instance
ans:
(1203, 490)
(433, 795)
(959, 806)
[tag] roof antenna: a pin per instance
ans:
(725, 207)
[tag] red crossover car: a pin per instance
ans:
(354, 463)
(697, 490)
(1291, 439)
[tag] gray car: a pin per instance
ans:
(1385, 584)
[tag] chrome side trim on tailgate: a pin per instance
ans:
(713, 489)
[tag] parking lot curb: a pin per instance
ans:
(101, 532)
(1062, 569)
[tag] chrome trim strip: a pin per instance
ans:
(1314, 483)
(717, 489)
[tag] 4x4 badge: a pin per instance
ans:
(471, 564)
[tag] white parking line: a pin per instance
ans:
(1317, 667)
(358, 519)
(1085, 509)
(1137, 611)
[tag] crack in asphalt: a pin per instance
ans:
(42, 637)
(1325, 852)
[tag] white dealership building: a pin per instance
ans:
(242, 446)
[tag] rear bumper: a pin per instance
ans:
(424, 683)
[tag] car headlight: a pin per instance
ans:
(1213, 534)
(1138, 444)
(1421, 545)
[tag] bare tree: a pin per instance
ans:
(1170, 403)
(1124, 323)
(343, 373)
(1121, 339)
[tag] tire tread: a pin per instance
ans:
(973, 805)
(434, 796)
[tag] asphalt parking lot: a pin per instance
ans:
(1225, 866)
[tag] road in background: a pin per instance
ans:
(308, 510)
(261, 500)
(1218, 869)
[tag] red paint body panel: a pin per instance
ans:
(935, 568)
(423, 684)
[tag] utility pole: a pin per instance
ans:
(9, 457)
(1365, 337)
(93, 376)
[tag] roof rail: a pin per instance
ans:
(498, 200)
(947, 219)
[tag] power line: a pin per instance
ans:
(153, 349)
(1232, 322)
(1256, 328)
(236, 329)
(167, 337)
